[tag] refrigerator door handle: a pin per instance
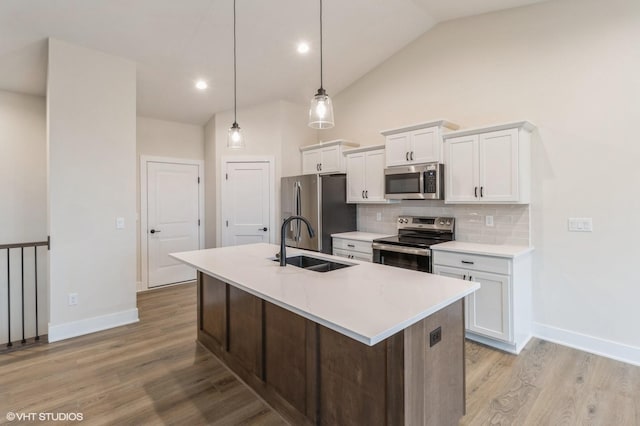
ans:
(298, 209)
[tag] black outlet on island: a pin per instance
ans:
(435, 336)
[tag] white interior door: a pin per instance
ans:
(172, 220)
(246, 203)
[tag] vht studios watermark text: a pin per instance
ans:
(44, 417)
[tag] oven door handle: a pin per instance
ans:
(399, 249)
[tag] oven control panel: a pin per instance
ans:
(426, 223)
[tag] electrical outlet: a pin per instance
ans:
(378, 216)
(488, 220)
(73, 299)
(580, 224)
(120, 223)
(435, 336)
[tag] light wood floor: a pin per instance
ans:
(154, 372)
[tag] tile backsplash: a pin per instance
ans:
(511, 222)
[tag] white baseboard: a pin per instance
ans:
(91, 325)
(583, 342)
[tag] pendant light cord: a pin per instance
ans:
(235, 98)
(321, 85)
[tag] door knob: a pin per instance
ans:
(263, 229)
(153, 231)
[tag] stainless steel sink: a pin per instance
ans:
(315, 264)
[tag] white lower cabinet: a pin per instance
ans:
(353, 249)
(499, 313)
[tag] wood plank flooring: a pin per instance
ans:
(154, 372)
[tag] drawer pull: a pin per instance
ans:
(468, 262)
(351, 245)
(464, 277)
(470, 278)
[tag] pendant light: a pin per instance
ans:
(321, 109)
(235, 138)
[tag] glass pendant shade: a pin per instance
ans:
(321, 111)
(235, 138)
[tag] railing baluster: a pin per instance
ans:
(21, 246)
(22, 290)
(35, 261)
(9, 344)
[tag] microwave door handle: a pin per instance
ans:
(422, 188)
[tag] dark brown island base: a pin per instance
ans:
(314, 375)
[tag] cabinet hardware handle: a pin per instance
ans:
(366, 193)
(351, 245)
(482, 191)
(363, 193)
(320, 166)
(407, 155)
(470, 278)
(411, 156)
(263, 229)
(464, 277)
(468, 262)
(153, 231)
(475, 191)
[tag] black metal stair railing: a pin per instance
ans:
(22, 246)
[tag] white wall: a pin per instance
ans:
(23, 168)
(23, 209)
(571, 67)
(162, 138)
(275, 129)
(91, 113)
(210, 178)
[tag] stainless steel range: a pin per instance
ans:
(410, 249)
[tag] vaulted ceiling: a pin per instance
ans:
(176, 42)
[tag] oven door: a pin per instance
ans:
(416, 259)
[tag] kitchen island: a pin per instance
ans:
(367, 344)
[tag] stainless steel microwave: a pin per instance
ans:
(418, 182)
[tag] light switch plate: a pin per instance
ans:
(488, 220)
(580, 224)
(378, 216)
(120, 223)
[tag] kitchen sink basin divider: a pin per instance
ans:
(22, 246)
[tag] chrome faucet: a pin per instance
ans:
(283, 254)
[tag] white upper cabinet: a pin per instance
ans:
(326, 157)
(490, 165)
(420, 143)
(365, 175)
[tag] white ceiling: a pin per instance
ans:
(175, 42)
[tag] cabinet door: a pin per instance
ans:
(499, 166)
(331, 159)
(489, 308)
(425, 146)
(461, 170)
(374, 175)
(397, 148)
(310, 162)
(355, 177)
(460, 274)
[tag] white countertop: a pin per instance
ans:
(367, 302)
(360, 236)
(484, 249)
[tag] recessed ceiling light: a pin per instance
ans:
(201, 85)
(303, 47)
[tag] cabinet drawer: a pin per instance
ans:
(353, 255)
(497, 265)
(353, 245)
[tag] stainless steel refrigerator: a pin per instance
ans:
(322, 199)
